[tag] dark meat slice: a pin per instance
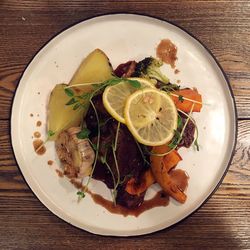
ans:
(188, 135)
(104, 117)
(129, 159)
(127, 200)
(125, 69)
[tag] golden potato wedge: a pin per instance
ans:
(94, 68)
(61, 116)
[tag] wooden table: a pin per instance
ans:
(224, 221)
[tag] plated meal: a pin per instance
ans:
(124, 134)
(124, 127)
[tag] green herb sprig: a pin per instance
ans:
(82, 100)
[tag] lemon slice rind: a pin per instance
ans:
(151, 116)
(114, 97)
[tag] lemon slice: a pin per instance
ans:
(151, 116)
(114, 97)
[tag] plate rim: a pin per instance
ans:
(235, 124)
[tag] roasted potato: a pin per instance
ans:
(94, 68)
(61, 116)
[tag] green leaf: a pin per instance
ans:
(134, 83)
(83, 134)
(80, 194)
(71, 101)
(94, 146)
(85, 96)
(69, 92)
(179, 122)
(103, 159)
(176, 139)
(181, 99)
(50, 133)
(76, 106)
(113, 81)
(196, 145)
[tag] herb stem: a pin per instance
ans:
(185, 98)
(181, 134)
(118, 172)
(196, 128)
(116, 135)
(143, 156)
(114, 182)
(97, 146)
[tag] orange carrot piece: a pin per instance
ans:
(171, 160)
(186, 105)
(161, 165)
(146, 181)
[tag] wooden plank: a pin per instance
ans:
(224, 27)
(222, 221)
(227, 36)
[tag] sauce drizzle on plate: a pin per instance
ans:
(167, 51)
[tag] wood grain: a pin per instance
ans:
(224, 219)
(224, 27)
(227, 35)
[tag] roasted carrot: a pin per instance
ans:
(161, 165)
(185, 105)
(143, 184)
(171, 160)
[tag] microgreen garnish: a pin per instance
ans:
(195, 142)
(134, 83)
(181, 98)
(76, 106)
(179, 122)
(83, 134)
(80, 194)
(69, 92)
(142, 154)
(97, 146)
(118, 174)
(71, 101)
(116, 135)
(104, 161)
(114, 147)
(50, 133)
(81, 100)
(185, 98)
(169, 87)
(93, 145)
(103, 123)
(176, 139)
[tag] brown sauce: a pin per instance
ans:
(50, 162)
(39, 123)
(177, 71)
(167, 51)
(59, 172)
(39, 146)
(37, 134)
(31, 115)
(159, 200)
(180, 178)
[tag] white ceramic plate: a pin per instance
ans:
(123, 37)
